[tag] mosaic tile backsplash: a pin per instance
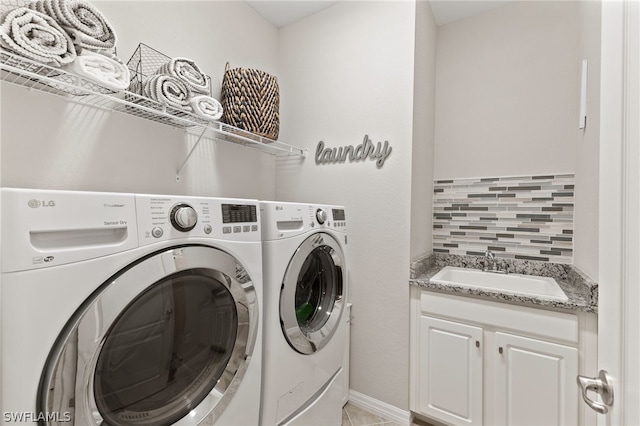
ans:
(528, 218)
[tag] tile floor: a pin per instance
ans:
(356, 416)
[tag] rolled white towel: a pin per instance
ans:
(168, 90)
(36, 36)
(108, 71)
(187, 70)
(84, 22)
(206, 107)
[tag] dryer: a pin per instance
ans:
(129, 309)
(305, 288)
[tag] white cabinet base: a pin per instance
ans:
(478, 362)
(451, 371)
(535, 382)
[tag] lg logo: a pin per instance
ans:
(34, 204)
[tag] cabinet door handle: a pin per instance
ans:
(500, 350)
(600, 385)
(477, 343)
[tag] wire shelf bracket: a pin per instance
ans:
(193, 148)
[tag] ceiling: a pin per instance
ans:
(284, 12)
(447, 11)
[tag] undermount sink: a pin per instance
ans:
(517, 284)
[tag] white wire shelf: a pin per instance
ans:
(36, 76)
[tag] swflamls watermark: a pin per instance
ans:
(26, 416)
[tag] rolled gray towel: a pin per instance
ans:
(168, 90)
(36, 36)
(84, 22)
(188, 71)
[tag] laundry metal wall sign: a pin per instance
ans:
(366, 150)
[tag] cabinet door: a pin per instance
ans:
(535, 382)
(450, 371)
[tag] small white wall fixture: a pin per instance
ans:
(583, 96)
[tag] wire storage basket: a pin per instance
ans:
(144, 62)
(147, 62)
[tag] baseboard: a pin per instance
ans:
(379, 408)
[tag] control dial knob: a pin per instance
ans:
(321, 216)
(183, 217)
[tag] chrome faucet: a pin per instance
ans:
(490, 259)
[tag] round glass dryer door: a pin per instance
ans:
(312, 298)
(164, 342)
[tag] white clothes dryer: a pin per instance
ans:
(128, 309)
(305, 289)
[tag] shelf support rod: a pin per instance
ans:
(195, 145)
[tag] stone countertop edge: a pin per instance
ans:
(579, 288)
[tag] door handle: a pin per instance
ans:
(600, 385)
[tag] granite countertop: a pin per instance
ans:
(581, 290)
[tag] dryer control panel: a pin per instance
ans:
(284, 220)
(163, 218)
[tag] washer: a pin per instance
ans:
(305, 288)
(128, 309)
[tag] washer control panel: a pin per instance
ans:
(167, 217)
(43, 228)
(329, 216)
(284, 220)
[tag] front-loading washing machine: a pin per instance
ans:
(305, 289)
(129, 309)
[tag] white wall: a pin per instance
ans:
(346, 72)
(423, 132)
(49, 143)
(507, 92)
(588, 146)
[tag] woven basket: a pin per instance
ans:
(250, 100)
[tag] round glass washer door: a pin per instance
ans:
(312, 295)
(164, 342)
